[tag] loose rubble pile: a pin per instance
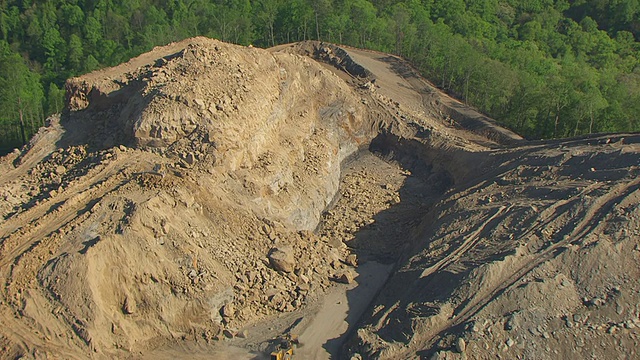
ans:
(180, 201)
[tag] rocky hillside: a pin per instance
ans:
(150, 210)
(205, 198)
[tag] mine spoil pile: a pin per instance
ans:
(206, 194)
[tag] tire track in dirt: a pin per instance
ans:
(20, 241)
(61, 218)
(591, 220)
(21, 334)
(15, 223)
(43, 220)
(550, 214)
(601, 207)
(469, 243)
(23, 239)
(77, 193)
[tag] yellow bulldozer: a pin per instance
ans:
(285, 348)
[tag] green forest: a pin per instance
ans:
(544, 68)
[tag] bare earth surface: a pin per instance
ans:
(204, 199)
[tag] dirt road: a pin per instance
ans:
(416, 97)
(340, 311)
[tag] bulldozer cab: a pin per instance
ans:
(285, 350)
(282, 354)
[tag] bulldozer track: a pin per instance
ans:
(469, 243)
(591, 219)
(84, 186)
(43, 220)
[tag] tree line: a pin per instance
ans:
(544, 68)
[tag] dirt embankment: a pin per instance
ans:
(536, 257)
(203, 197)
(152, 210)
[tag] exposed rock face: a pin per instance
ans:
(279, 124)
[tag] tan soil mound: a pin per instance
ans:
(175, 176)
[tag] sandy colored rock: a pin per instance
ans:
(352, 260)
(345, 278)
(228, 310)
(129, 306)
(282, 259)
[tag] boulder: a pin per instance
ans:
(345, 278)
(461, 345)
(228, 310)
(282, 259)
(352, 260)
(129, 306)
